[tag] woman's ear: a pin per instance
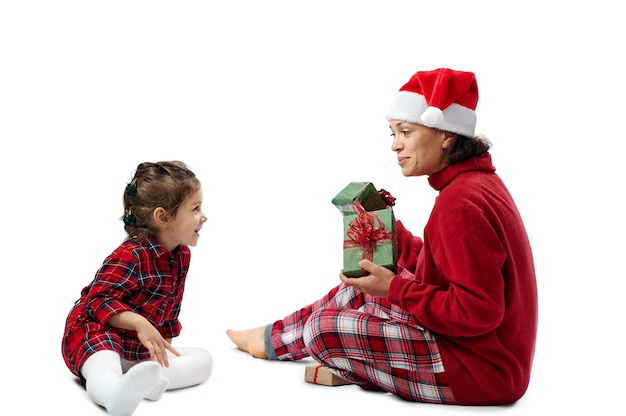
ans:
(160, 217)
(448, 140)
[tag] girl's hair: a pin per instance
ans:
(161, 184)
(465, 147)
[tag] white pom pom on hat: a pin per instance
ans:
(432, 116)
(443, 98)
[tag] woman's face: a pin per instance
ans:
(420, 149)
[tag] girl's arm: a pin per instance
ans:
(147, 334)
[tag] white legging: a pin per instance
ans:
(193, 366)
(106, 384)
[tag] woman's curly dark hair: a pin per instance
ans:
(465, 147)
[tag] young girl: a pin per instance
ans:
(118, 334)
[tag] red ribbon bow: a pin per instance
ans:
(389, 199)
(364, 232)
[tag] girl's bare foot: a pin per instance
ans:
(251, 341)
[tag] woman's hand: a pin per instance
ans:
(376, 283)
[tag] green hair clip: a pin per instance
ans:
(131, 189)
(129, 218)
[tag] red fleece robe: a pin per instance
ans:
(475, 285)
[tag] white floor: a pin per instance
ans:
(242, 385)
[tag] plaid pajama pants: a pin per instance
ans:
(365, 340)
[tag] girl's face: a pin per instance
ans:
(184, 228)
(420, 149)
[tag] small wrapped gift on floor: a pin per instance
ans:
(369, 235)
(365, 192)
(318, 374)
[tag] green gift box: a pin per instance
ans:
(384, 250)
(366, 193)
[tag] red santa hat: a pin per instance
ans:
(443, 99)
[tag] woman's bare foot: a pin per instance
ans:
(251, 341)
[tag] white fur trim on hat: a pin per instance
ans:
(412, 107)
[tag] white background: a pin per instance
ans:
(277, 105)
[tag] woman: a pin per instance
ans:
(457, 323)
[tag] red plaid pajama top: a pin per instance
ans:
(138, 276)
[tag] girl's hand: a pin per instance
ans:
(155, 343)
(376, 283)
(146, 333)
